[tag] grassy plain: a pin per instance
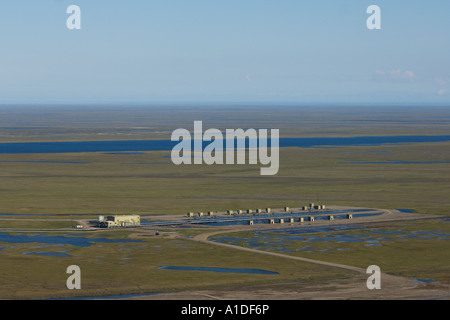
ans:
(416, 256)
(149, 183)
(111, 268)
(136, 122)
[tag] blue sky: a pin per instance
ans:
(151, 51)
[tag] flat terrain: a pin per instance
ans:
(394, 287)
(49, 194)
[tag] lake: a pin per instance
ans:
(166, 145)
(70, 240)
(221, 270)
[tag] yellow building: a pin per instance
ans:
(121, 221)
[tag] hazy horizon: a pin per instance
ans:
(234, 52)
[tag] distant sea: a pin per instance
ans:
(164, 145)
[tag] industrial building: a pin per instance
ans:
(119, 221)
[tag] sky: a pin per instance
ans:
(234, 51)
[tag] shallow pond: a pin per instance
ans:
(120, 296)
(53, 241)
(263, 218)
(221, 270)
(335, 237)
(50, 253)
(71, 240)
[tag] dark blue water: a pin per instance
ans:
(120, 296)
(358, 141)
(86, 146)
(311, 229)
(222, 270)
(75, 241)
(165, 145)
(405, 210)
(303, 238)
(243, 220)
(425, 280)
(44, 161)
(394, 162)
(152, 162)
(262, 218)
(47, 214)
(124, 153)
(49, 253)
(27, 214)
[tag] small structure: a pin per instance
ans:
(190, 214)
(249, 211)
(302, 219)
(271, 221)
(291, 220)
(331, 218)
(200, 214)
(268, 210)
(210, 214)
(258, 210)
(286, 209)
(311, 219)
(305, 208)
(281, 220)
(311, 205)
(250, 222)
(230, 212)
(239, 212)
(350, 216)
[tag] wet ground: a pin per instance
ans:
(312, 239)
(221, 270)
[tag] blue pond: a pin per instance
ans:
(243, 220)
(405, 210)
(120, 296)
(46, 214)
(46, 161)
(49, 253)
(166, 145)
(424, 280)
(75, 241)
(222, 270)
(124, 153)
(262, 218)
(395, 162)
(335, 237)
(26, 214)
